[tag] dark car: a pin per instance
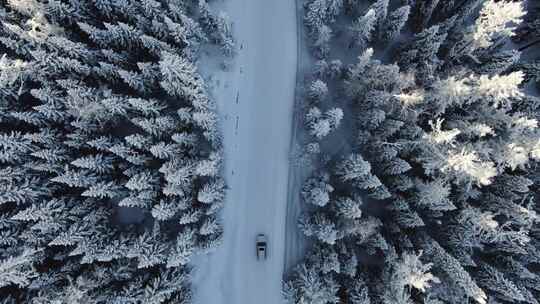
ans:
(260, 246)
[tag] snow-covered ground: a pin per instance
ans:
(255, 100)
(295, 240)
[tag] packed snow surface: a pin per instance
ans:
(255, 99)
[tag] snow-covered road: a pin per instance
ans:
(255, 100)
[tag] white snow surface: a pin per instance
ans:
(255, 98)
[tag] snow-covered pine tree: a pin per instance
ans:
(363, 28)
(527, 36)
(396, 21)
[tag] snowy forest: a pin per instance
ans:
(421, 129)
(110, 153)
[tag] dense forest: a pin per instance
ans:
(420, 127)
(433, 197)
(110, 154)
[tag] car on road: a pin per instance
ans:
(261, 247)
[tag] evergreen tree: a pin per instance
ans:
(18, 270)
(395, 23)
(363, 27)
